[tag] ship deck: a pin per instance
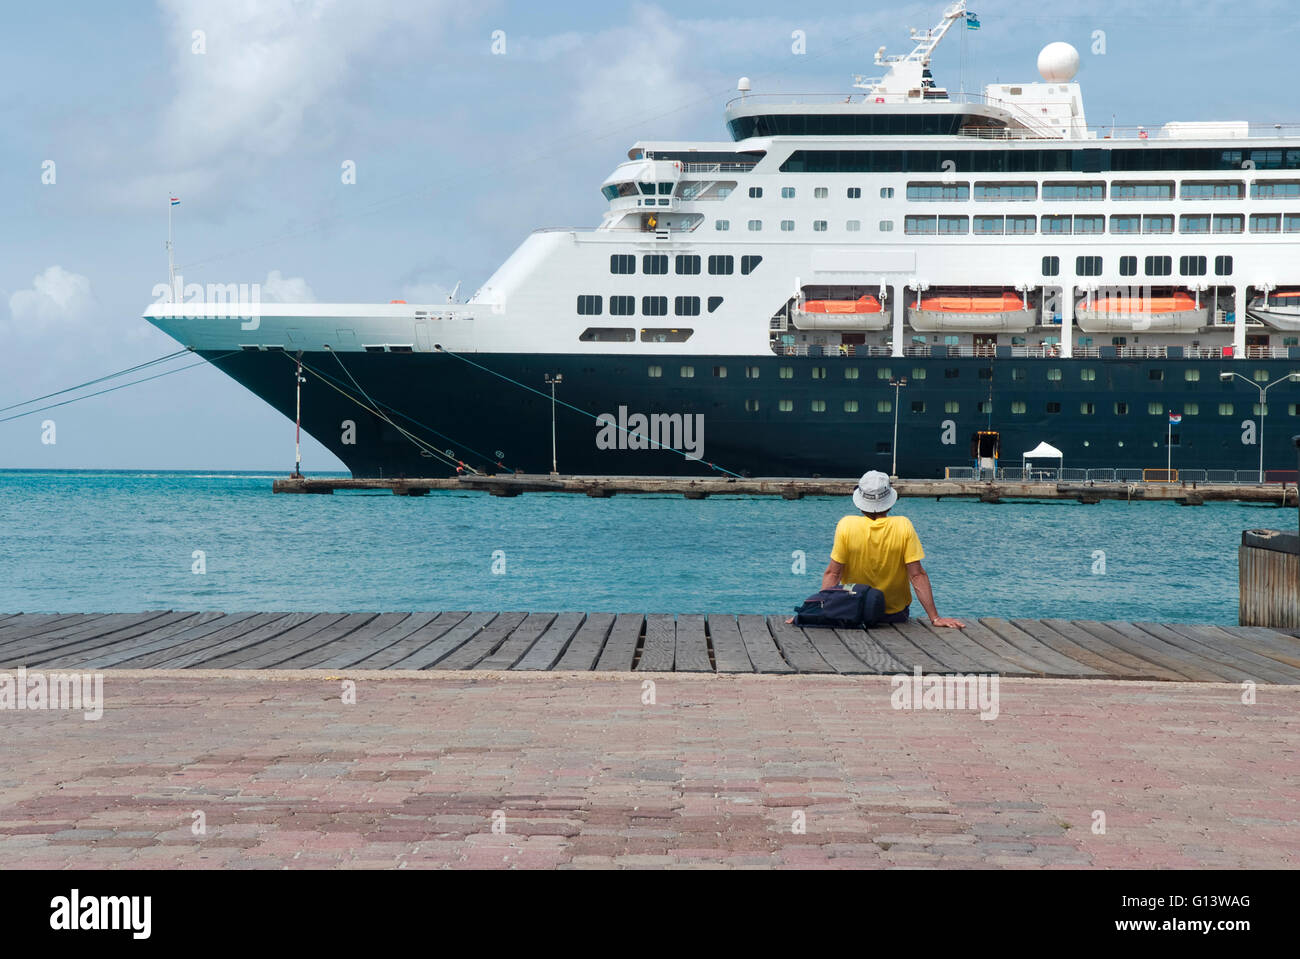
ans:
(643, 643)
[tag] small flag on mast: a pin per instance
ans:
(176, 201)
(1175, 419)
(972, 21)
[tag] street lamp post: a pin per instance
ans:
(1293, 376)
(551, 381)
(897, 384)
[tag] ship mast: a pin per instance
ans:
(914, 64)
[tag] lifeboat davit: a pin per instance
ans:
(977, 313)
(1280, 310)
(864, 313)
(1107, 313)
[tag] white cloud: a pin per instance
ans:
(286, 289)
(56, 296)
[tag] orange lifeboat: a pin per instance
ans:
(863, 304)
(1177, 303)
(997, 303)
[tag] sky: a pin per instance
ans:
(469, 125)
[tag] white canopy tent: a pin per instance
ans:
(1043, 451)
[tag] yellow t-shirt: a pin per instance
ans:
(876, 552)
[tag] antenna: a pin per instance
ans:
(171, 259)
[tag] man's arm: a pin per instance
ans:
(831, 578)
(921, 584)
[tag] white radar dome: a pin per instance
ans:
(1058, 62)
(743, 85)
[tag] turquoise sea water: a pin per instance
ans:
(121, 541)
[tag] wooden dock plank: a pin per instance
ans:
(75, 633)
(904, 651)
(359, 648)
(999, 650)
(518, 642)
(833, 651)
(29, 624)
(1028, 642)
(348, 645)
(729, 650)
(660, 643)
(796, 647)
(431, 653)
(691, 653)
(180, 631)
(620, 648)
(763, 651)
(948, 656)
(550, 646)
(484, 644)
(1138, 667)
(1267, 642)
(236, 657)
(410, 640)
(281, 655)
(1213, 645)
(1152, 650)
(1069, 646)
(585, 648)
(248, 633)
(99, 637)
(863, 644)
(1188, 650)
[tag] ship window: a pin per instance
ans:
(853, 226)
(665, 189)
(721, 225)
(589, 305)
(1074, 191)
(818, 406)
(886, 193)
(850, 406)
(1121, 409)
(1155, 374)
(607, 334)
(1118, 340)
(819, 226)
(1051, 265)
(1271, 189)
(751, 372)
(1056, 224)
(1191, 409)
(1155, 409)
(1194, 223)
(952, 340)
(755, 226)
(651, 335)
(751, 406)
(1018, 406)
(1053, 407)
(1054, 373)
(918, 406)
(787, 192)
(1090, 224)
(1225, 409)
(1158, 224)
(920, 224)
(654, 264)
(622, 263)
(820, 193)
(622, 305)
(1191, 265)
(1192, 376)
(952, 406)
(1261, 376)
(1291, 223)
(654, 305)
(1229, 223)
(854, 193)
(687, 372)
(720, 372)
(1087, 374)
(714, 303)
(1087, 265)
(374, 349)
(785, 406)
(1126, 224)
(985, 373)
(951, 372)
(755, 192)
(1223, 266)
(686, 305)
(688, 264)
(654, 372)
(819, 372)
(748, 264)
(647, 188)
(1212, 190)
(1020, 224)
(1019, 373)
(988, 225)
(722, 265)
(786, 372)
(787, 226)
(938, 191)
(851, 373)
(1162, 190)
(886, 226)
(401, 349)
(1266, 223)
(918, 372)
(1128, 266)
(884, 406)
(1006, 191)
(953, 224)
(1159, 265)
(883, 372)
(1087, 409)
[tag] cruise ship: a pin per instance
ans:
(900, 278)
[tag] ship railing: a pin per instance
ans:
(834, 349)
(1153, 475)
(730, 166)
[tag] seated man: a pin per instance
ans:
(882, 551)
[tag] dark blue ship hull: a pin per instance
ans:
(493, 411)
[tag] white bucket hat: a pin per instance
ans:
(874, 494)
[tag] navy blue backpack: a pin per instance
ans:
(852, 606)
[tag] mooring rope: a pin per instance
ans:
(98, 379)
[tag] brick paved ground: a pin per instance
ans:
(711, 775)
